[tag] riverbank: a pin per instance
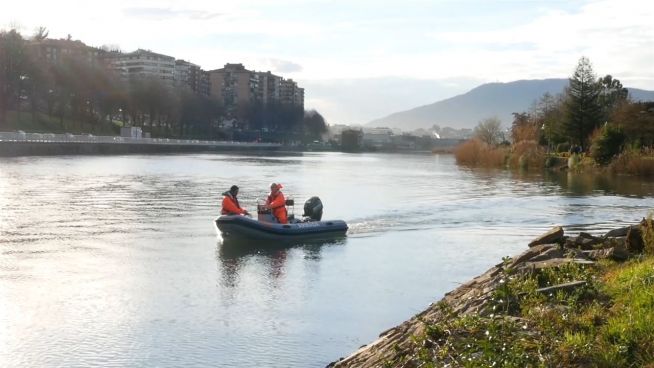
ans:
(580, 300)
(36, 144)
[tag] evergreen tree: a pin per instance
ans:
(584, 111)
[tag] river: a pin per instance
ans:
(114, 261)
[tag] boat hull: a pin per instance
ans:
(243, 227)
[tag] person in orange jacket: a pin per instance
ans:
(230, 203)
(277, 203)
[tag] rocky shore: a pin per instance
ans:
(555, 274)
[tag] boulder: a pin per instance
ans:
(550, 253)
(620, 232)
(635, 243)
(531, 253)
(553, 236)
(616, 253)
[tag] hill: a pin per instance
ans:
(487, 100)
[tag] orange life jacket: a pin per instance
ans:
(231, 205)
(278, 206)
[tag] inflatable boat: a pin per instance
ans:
(265, 227)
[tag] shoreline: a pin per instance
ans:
(18, 149)
(422, 339)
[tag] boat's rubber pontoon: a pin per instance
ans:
(266, 227)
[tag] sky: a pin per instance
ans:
(362, 60)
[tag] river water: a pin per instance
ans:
(114, 261)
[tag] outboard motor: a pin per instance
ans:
(313, 209)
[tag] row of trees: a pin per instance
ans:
(588, 108)
(81, 95)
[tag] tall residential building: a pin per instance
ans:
(269, 87)
(291, 94)
(55, 51)
(192, 76)
(144, 63)
(234, 86)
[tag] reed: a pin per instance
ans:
(634, 162)
(475, 153)
(527, 154)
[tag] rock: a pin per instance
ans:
(620, 242)
(635, 242)
(568, 286)
(616, 233)
(586, 243)
(556, 262)
(550, 253)
(553, 236)
(530, 253)
(615, 253)
(580, 242)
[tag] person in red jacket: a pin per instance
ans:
(277, 203)
(230, 203)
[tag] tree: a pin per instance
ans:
(314, 124)
(13, 60)
(637, 121)
(583, 109)
(524, 128)
(489, 131)
(549, 111)
(607, 144)
(612, 93)
(40, 34)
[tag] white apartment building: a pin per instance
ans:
(144, 63)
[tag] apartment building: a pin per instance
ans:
(236, 86)
(291, 94)
(55, 51)
(187, 74)
(144, 63)
(269, 87)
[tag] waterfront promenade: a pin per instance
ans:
(22, 144)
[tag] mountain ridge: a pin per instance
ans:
(494, 99)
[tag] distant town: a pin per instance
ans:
(65, 86)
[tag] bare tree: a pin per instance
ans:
(489, 131)
(40, 34)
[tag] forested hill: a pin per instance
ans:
(487, 100)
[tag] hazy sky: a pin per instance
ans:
(361, 60)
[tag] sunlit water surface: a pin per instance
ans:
(114, 261)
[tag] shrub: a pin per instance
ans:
(527, 154)
(475, 153)
(562, 147)
(606, 144)
(634, 162)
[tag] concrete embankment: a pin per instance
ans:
(12, 149)
(430, 337)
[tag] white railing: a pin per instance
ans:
(89, 138)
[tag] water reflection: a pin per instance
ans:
(570, 182)
(233, 254)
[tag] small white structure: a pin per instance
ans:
(131, 132)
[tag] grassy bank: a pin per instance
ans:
(604, 317)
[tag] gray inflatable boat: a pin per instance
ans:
(265, 227)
